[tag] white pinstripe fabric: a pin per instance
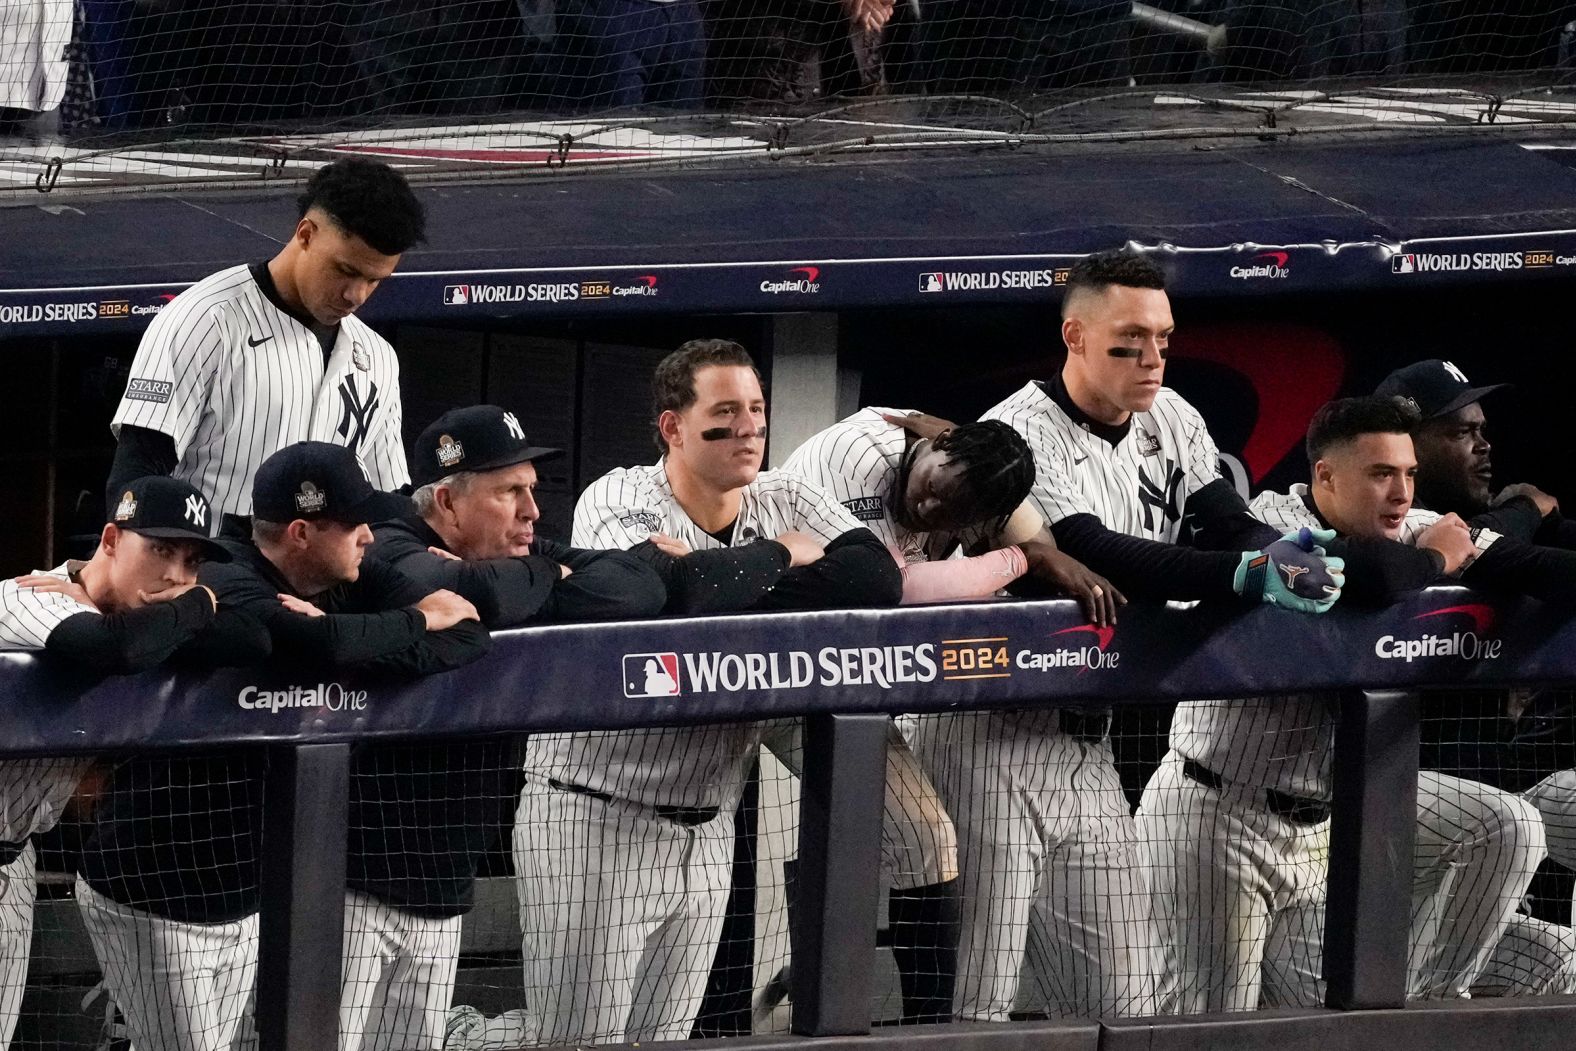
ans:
(232, 379)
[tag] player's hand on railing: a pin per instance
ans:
(1547, 505)
(1294, 572)
(298, 605)
(444, 609)
(921, 423)
(668, 545)
(170, 594)
(802, 548)
(443, 553)
(1452, 538)
(1098, 596)
(53, 584)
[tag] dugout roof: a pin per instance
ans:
(985, 226)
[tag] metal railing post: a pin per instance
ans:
(306, 804)
(841, 796)
(1372, 831)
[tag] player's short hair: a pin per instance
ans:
(997, 463)
(1119, 266)
(425, 497)
(369, 199)
(1347, 419)
(673, 384)
(266, 532)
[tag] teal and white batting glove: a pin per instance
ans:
(1293, 573)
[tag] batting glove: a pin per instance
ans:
(1293, 573)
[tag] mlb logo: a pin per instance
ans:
(930, 283)
(651, 675)
(456, 295)
(1403, 264)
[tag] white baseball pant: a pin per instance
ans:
(1240, 891)
(919, 846)
(621, 911)
(1533, 957)
(398, 977)
(17, 887)
(1049, 866)
(180, 986)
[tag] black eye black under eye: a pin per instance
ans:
(1125, 352)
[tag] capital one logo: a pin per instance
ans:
(1468, 639)
(651, 675)
(801, 280)
(1273, 266)
(1085, 654)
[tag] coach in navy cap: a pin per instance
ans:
(475, 501)
(1454, 469)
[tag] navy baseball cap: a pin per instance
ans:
(320, 481)
(169, 508)
(1436, 387)
(477, 438)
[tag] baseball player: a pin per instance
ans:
(1235, 822)
(171, 892)
(1515, 742)
(922, 497)
(129, 607)
(1046, 845)
(258, 356)
(441, 806)
(624, 840)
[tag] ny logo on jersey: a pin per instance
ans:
(356, 418)
(515, 430)
(1450, 367)
(196, 511)
(1161, 496)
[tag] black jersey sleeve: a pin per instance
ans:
(1146, 568)
(856, 571)
(132, 640)
(139, 453)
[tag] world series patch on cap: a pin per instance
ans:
(476, 438)
(168, 508)
(320, 481)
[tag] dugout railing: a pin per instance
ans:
(846, 671)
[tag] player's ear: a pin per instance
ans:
(1073, 334)
(109, 538)
(668, 427)
(443, 500)
(296, 532)
(305, 230)
(1323, 477)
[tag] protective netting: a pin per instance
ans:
(1034, 864)
(135, 93)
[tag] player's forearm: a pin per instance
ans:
(856, 572)
(718, 581)
(434, 651)
(1556, 531)
(610, 586)
(505, 591)
(1146, 568)
(1546, 573)
(234, 638)
(963, 578)
(1379, 571)
(1217, 519)
(1518, 518)
(339, 640)
(131, 641)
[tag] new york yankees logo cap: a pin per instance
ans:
(476, 438)
(169, 508)
(1436, 387)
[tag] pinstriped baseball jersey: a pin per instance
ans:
(1138, 486)
(1279, 742)
(700, 766)
(231, 379)
(33, 791)
(857, 460)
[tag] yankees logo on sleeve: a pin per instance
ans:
(33, 792)
(1138, 486)
(232, 378)
(700, 766)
